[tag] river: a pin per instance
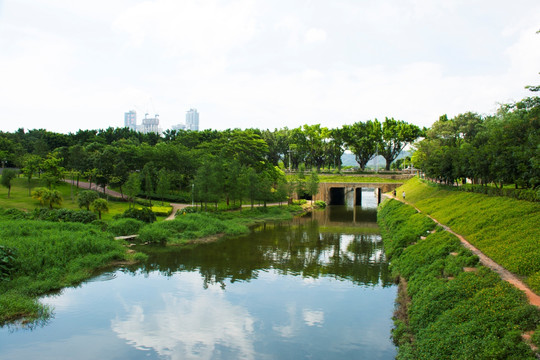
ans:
(316, 287)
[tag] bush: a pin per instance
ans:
(13, 214)
(123, 227)
(65, 215)
(145, 214)
(320, 204)
(7, 262)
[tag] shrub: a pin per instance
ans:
(65, 215)
(145, 214)
(123, 227)
(7, 262)
(320, 204)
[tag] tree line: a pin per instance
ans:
(208, 166)
(499, 149)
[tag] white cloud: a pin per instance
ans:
(315, 36)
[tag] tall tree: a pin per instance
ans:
(362, 139)
(99, 206)
(7, 176)
(396, 134)
(132, 187)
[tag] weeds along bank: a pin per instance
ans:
(448, 306)
(504, 229)
(37, 257)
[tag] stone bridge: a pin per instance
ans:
(334, 193)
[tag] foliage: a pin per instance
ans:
(86, 197)
(504, 229)
(49, 256)
(145, 215)
(320, 204)
(99, 206)
(48, 197)
(64, 215)
(7, 176)
(452, 313)
(123, 227)
(188, 227)
(7, 262)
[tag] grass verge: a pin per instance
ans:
(450, 308)
(504, 229)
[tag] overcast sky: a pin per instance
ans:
(67, 65)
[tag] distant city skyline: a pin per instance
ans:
(251, 64)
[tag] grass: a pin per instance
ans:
(450, 313)
(193, 226)
(323, 178)
(49, 256)
(504, 229)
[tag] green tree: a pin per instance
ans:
(99, 206)
(163, 184)
(313, 185)
(7, 176)
(396, 134)
(362, 139)
(132, 187)
(30, 168)
(53, 172)
(48, 197)
(86, 198)
(300, 182)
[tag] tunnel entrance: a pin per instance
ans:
(358, 197)
(337, 196)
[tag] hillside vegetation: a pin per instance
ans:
(448, 307)
(505, 229)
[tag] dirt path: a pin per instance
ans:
(506, 275)
(175, 208)
(86, 185)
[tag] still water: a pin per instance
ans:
(314, 288)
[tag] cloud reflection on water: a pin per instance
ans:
(188, 325)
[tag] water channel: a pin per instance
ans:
(316, 287)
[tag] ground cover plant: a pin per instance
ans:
(41, 256)
(446, 312)
(196, 225)
(504, 229)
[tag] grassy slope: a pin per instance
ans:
(504, 229)
(445, 312)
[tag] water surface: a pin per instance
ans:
(313, 288)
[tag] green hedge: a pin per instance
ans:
(452, 314)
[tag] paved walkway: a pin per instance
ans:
(506, 275)
(86, 185)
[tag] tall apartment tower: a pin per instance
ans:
(150, 124)
(130, 120)
(192, 120)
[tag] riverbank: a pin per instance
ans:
(37, 257)
(504, 229)
(192, 227)
(450, 306)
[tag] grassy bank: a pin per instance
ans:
(324, 178)
(504, 229)
(37, 257)
(191, 226)
(448, 306)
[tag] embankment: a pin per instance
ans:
(449, 307)
(504, 229)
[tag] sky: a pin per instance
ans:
(69, 65)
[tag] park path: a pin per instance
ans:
(506, 275)
(86, 185)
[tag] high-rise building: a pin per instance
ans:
(192, 120)
(130, 120)
(150, 124)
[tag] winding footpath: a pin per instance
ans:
(506, 275)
